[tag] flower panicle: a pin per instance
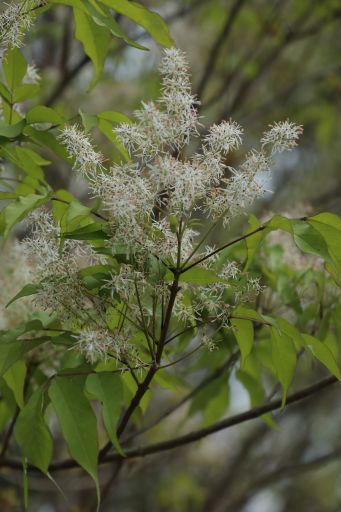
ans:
(87, 161)
(282, 136)
(16, 19)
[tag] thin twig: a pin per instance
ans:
(196, 435)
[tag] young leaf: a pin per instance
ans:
(243, 331)
(17, 210)
(28, 289)
(15, 380)
(12, 350)
(253, 241)
(25, 92)
(328, 226)
(149, 20)
(309, 240)
(106, 128)
(10, 131)
(200, 276)
(32, 433)
(284, 359)
(95, 40)
(212, 401)
(322, 352)
(247, 314)
(253, 385)
(14, 66)
(77, 421)
(42, 114)
(107, 388)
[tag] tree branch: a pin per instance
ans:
(171, 444)
(205, 382)
(216, 48)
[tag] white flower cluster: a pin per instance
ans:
(56, 268)
(153, 203)
(96, 344)
(282, 136)
(86, 160)
(159, 183)
(169, 123)
(210, 301)
(16, 20)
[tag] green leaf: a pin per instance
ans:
(245, 313)
(42, 114)
(106, 128)
(77, 421)
(8, 195)
(114, 117)
(14, 66)
(5, 93)
(103, 17)
(168, 380)
(108, 389)
(25, 92)
(280, 222)
(199, 276)
(328, 226)
(28, 289)
(212, 401)
(90, 232)
(253, 386)
(32, 433)
(151, 21)
(17, 210)
(12, 350)
(45, 138)
(89, 121)
(309, 240)
(243, 331)
(253, 241)
(24, 158)
(15, 380)
(322, 352)
(10, 131)
(284, 359)
(94, 39)
(290, 330)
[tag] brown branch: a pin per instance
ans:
(205, 382)
(292, 35)
(256, 412)
(236, 240)
(231, 76)
(216, 48)
(171, 444)
(285, 471)
(143, 387)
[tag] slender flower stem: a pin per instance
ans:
(216, 251)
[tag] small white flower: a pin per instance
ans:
(224, 137)
(96, 344)
(86, 160)
(15, 21)
(208, 342)
(125, 193)
(282, 136)
(32, 75)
